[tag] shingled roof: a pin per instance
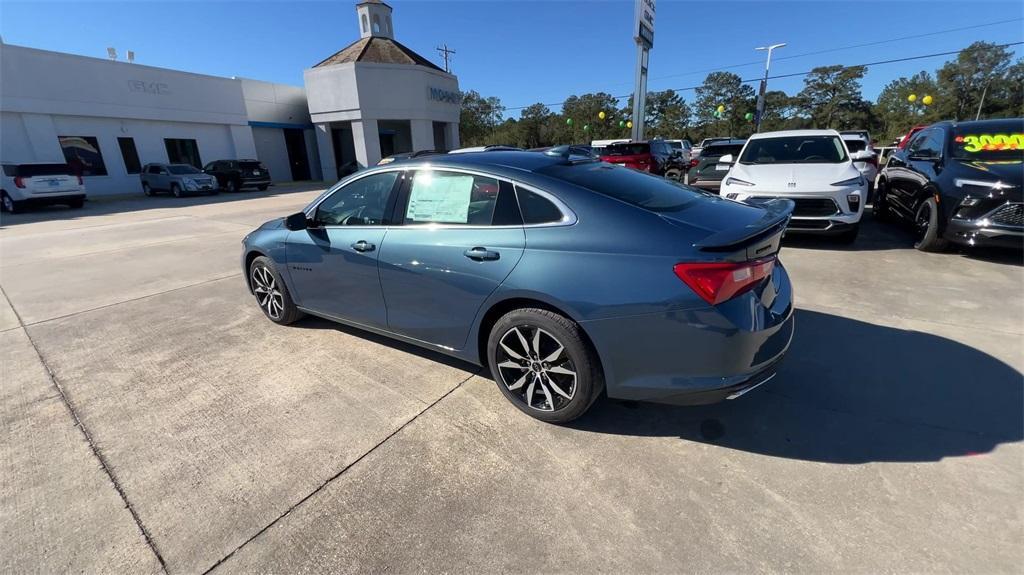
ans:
(378, 50)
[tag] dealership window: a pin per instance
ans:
(130, 155)
(183, 152)
(83, 154)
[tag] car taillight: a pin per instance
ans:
(19, 181)
(721, 281)
(694, 162)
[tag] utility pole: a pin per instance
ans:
(643, 28)
(446, 54)
(759, 112)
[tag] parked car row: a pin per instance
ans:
(40, 183)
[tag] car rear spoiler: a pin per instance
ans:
(776, 216)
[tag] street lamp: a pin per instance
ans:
(764, 85)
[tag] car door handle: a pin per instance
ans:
(481, 254)
(363, 246)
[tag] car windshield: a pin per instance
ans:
(676, 145)
(30, 170)
(795, 150)
(716, 151)
(180, 169)
(631, 186)
(627, 149)
(989, 141)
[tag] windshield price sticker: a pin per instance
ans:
(440, 199)
(990, 142)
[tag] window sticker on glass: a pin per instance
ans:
(437, 197)
(974, 143)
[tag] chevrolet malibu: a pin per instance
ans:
(567, 277)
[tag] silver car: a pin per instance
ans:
(177, 179)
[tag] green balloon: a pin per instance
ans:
(622, 123)
(749, 116)
(568, 121)
(586, 127)
(717, 115)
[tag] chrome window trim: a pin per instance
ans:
(568, 216)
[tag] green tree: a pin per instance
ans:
(533, 125)
(896, 114)
(666, 115)
(723, 89)
(478, 118)
(979, 68)
(584, 111)
(1007, 94)
(831, 96)
(781, 112)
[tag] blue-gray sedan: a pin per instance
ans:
(566, 276)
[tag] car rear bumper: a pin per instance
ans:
(693, 357)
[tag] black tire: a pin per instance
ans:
(262, 188)
(277, 305)
(556, 396)
(76, 204)
(879, 207)
(926, 223)
(230, 186)
(849, 236)
(9, 204)
(674, 175)
(146, 189)
(176, 190)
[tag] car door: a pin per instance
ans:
(922, 155)
(460, 236)
(333, 263)
(162, 178)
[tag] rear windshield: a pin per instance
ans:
(795, 150)
(259, 166)
(721, 150)
(30, 170)
(627, 149)
(989, 141)
(857, 145)
(633, 187)
(180, 169)
(676, 145)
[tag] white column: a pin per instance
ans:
(452, 128)
(325, 146)
(42, 135)
(422, 134)
(245, 144)
(366, 137)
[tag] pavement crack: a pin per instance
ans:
(329, 480)
(97, 453)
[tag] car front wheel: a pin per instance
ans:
(176, 190)
(543, 365)
(9, 205)
(271, 294)
(926, 223)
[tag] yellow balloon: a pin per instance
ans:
(629, 124)
(912, 98)
(721, 108)
(927, 100)
(601, 114)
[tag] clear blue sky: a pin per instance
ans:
(521, 51)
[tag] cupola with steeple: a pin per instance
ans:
(374, 19)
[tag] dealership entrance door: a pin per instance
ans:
(298, 159)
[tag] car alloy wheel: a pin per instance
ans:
(231, 187)
(535, 367)
(9, 206)
(923, 220)
(269, 297)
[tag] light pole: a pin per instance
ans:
(759, 113)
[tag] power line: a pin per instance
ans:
(891, 61)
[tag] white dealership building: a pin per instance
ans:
(107, 118)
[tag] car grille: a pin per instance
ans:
(1008, 215)
(811, 207)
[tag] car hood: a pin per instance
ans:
(793, 177)
(1007, 172)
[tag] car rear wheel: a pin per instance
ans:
(262, 188)
(9, 205)
(543, 365)
(926, 223)
(76, 203)
(231, 186)
(271, 294)
(176, 190)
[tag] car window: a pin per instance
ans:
(928, 144)
(536, 208)
(362, 202)
(440, 197)
(182, 169)
(856, 145)
(721, 150)
(31, 170)
(627, 149)
(640, 189)
(991, 141)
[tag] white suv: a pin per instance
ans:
(810, 167)
(864, 156)
(39, 183)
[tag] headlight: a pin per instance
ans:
(190, 184)
(858, 181)
(737, 182)
(986, 184)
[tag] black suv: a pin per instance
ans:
(233, 175)
(958, 182)
(707, 173)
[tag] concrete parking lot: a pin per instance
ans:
(154, 421)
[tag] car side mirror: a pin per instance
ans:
(296, 222)
(726, 159)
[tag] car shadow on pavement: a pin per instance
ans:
(851, 392)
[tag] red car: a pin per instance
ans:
(910, 134)
(655, 156)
